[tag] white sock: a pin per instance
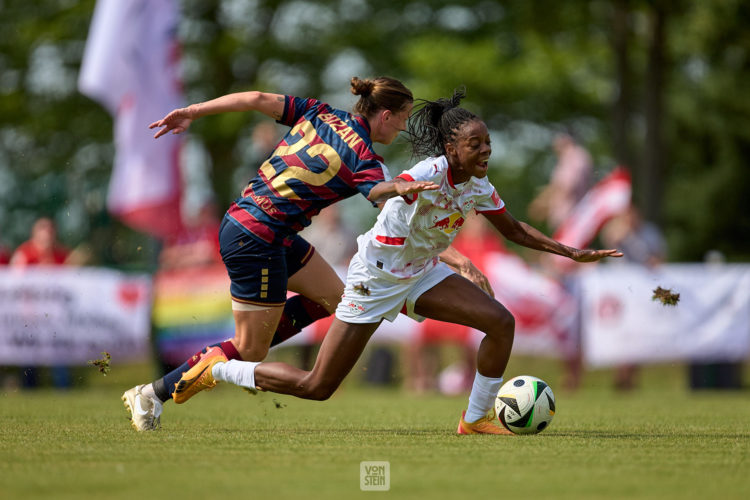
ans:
(482, 397)
(237, 372)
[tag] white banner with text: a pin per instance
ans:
(66, 315)
(623, 322)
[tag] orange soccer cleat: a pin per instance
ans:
(199, 377)
(489, 424)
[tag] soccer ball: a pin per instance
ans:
(525, 405)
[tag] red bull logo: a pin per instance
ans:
(449, 224)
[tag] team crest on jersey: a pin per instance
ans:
(355, 307)
(449, 224)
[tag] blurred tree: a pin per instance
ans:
(655, 85)
(55, 145)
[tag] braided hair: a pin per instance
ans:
(435, 123)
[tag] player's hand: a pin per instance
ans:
(594, 255)
(410, 187)
(176, 121)
(469, 271)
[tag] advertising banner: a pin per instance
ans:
(64, 315)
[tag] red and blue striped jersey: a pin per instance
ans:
(326, 157)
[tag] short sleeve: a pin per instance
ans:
(489, 200)
(296, 107)
(427, 170)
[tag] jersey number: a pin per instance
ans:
(279, 181)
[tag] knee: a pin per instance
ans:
(501, 324)
(250, 352)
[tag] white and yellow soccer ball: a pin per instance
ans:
(525, 405)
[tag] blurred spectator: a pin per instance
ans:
(4, 255)
(476, 240)
(197, 244)
(42, 248)
(332, 238)
(256, 150)
(642, 243)
(570, 180)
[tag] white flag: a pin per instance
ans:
(130, 66)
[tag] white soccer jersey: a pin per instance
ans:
(411, 231)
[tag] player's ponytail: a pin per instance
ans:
(436, 122)
(380, 93)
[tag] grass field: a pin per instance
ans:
(660, 441)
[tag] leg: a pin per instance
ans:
(319, 289)
(258, 274)
(457, 300)
(315, 280)
(625, 375)
(253, 332)
(318, 281)
(339, 351)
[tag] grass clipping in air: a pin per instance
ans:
(103, 363)
(666, 296)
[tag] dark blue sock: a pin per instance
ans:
(299, 311)
(164, 387)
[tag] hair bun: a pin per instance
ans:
(362, 87)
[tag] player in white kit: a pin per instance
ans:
(401, 266)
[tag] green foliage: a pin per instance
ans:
(531, 67)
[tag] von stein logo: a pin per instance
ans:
(374, 476)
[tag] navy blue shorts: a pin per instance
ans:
(259, 271)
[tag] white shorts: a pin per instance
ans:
(370, 297)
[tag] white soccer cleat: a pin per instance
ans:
(145, 412)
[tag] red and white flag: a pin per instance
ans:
(130, 66)
(608, 198)
(545, 312)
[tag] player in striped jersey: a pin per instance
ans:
(326, 156)
(397, 269)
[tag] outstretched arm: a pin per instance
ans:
(178, 120)
(398, 187)
(525, 235)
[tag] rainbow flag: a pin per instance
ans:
(192, 309)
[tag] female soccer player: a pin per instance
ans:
(397, 268)
(326, 156)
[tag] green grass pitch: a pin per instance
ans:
(660, 442)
